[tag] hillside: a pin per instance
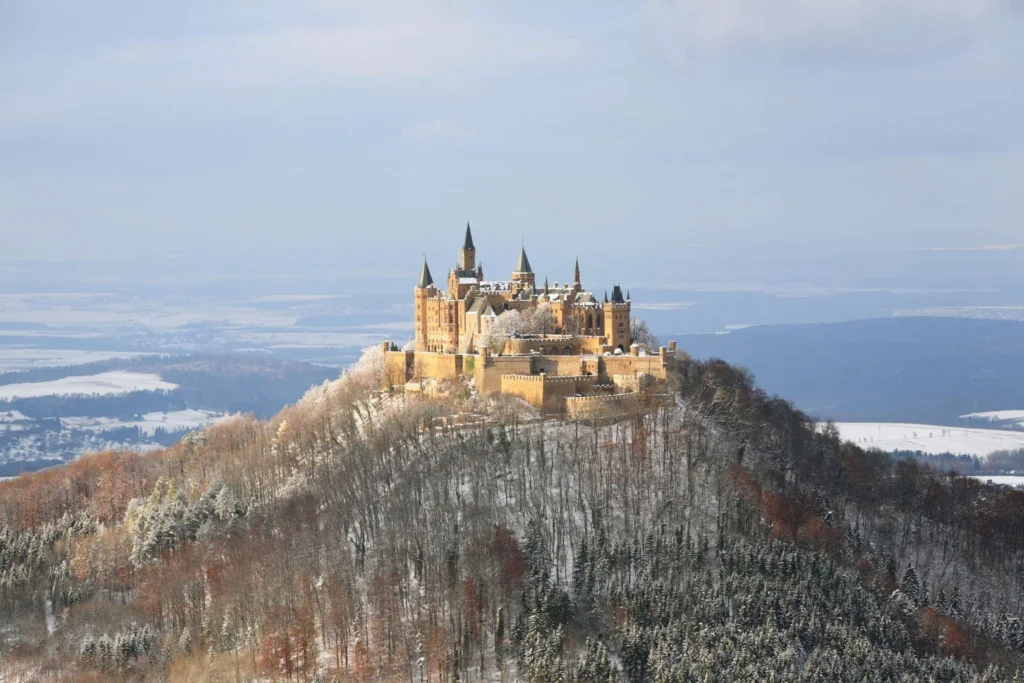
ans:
(720, 536)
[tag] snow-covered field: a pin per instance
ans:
(1004, 479)
(105, 383)
(894, 436)
(1014, 419)
(21, 357)
(172, 421)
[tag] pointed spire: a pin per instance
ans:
(606, 296)
(468, 244)
(523, 264)
(425, 279)
(628, 298)
(546, 284)
(617, 295)
(480, 271)
(576, 272)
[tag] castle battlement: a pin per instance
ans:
(544, 344)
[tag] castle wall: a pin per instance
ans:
(549, 344)
(630, 365)
(587, 407)
(398, 368)
(440, 366)
(530, 388)
(546, 392)
(488, 370)
(561, 365)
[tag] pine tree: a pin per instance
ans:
(956, 608)
(911, 585)
(596, 667)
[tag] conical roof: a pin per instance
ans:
(523, 264)
(576, 272)
(617, 295)
(468, 244)
(425, 279)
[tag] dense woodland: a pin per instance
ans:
(719, 535)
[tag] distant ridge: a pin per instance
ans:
(914, 369)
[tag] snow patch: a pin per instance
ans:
(172, 421)
(103, 384)
(932, 439)
(1002, 479)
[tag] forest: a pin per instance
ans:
(719, 534)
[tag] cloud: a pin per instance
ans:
(439, 129)
(664, 306)
(369, 47)
(873, 30)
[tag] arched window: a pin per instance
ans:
(590, 321)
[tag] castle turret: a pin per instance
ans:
(467, 255)
(424, 290)
(523, 273)
(616, 320)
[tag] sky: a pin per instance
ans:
(370, 132)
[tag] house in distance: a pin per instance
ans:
(557, 346)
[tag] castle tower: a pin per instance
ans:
(424, 290)
(616, 320)
(467, 255)
(523, 273)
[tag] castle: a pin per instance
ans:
(556, 346)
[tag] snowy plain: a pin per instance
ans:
(1004, 479)
(102, 384)
(172, 421)
(1012, 419)
(897, 436)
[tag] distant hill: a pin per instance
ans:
(910, 369)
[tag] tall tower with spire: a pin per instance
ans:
(576, 276)
(467, 255)
(424, 290)
(522, 276)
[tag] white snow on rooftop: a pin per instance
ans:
(893, 436)
(102, 384)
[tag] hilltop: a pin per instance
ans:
(721, 535)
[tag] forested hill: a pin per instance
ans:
(716, 537)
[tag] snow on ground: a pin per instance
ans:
(893, 436)
(21, 357)
(1004, 479)
(105, 383)
(1014, 419)
(173, 421)
(996, 415)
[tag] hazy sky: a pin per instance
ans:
(361, 129)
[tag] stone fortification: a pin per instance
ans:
(577, 358)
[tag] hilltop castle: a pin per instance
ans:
(549, 345)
